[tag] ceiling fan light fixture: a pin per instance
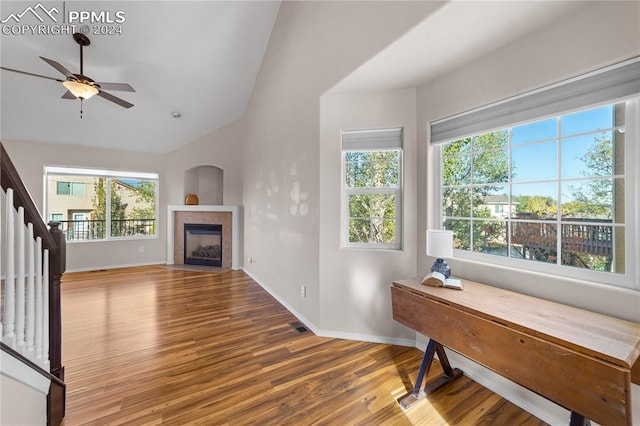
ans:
(79, 89)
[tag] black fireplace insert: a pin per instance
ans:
(203, 244)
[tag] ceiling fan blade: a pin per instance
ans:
(68, 95)
(114, 99)
(59, 67)
(30, 73)
(122, 87)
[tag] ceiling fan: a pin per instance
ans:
(79, 86)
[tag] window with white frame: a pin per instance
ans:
(372, 188)
(70, 188)
(94, 204)
(562, 182)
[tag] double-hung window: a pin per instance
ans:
(554, 191)
(372, 188)
(94, 204)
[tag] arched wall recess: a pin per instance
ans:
(206, 182)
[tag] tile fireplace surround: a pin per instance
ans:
(177, 214)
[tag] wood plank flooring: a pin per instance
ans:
(153, 345)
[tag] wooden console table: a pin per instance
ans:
(581, 360)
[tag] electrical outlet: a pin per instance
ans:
(141, 249)
(303, 291)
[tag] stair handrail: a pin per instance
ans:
(9, 178)
(53, 239)
(23, 359)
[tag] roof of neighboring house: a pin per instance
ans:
(498, 199)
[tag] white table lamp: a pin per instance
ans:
(440, 245)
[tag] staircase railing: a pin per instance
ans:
(34, 259)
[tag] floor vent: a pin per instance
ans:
(299, 327)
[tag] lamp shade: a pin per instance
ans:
(439, 243)
(80, 89)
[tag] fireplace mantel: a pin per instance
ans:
(236, 259)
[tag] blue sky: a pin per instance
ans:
(540, 160)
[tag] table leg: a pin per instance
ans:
(578, 420)
(449, 375)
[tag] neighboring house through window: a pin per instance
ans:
(372, 188)
(95, 204)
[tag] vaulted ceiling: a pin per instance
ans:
(201, 59)
(196, 58)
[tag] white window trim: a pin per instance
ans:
(108, 174)
(346, 192)
(631, 278)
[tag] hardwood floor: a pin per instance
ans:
(153, 345)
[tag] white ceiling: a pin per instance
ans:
(201, 59)
(198, 58)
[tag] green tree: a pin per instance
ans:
(536, 206)
(146, 197)
(481, 161)
(372, 215)
(594, 197)
(99, 213)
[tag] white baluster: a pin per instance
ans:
(30, 323)
(1, 301)
(39, 305)
(45, 310)
(9, 335)
(20, 346)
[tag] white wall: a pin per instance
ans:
(222, 149)
(355, 283)
(20, 404)
(602, 34)
(23, 393)
(312, 47)
(30, 159)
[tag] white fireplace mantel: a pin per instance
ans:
(236, 260)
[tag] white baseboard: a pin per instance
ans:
(332, 333)
(105, 267)
(301, 317)
(366, 338)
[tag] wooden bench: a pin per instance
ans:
(579, 359)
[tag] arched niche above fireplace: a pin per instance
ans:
(206, 182)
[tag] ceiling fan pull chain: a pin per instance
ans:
(81, 108)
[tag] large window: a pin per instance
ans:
(102, 204)
(547, 181)
(562, 180)
(372, 170)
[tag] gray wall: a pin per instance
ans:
(354, 283)
(313, 46)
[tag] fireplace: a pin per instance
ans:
(229, 217)
(203, 244)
